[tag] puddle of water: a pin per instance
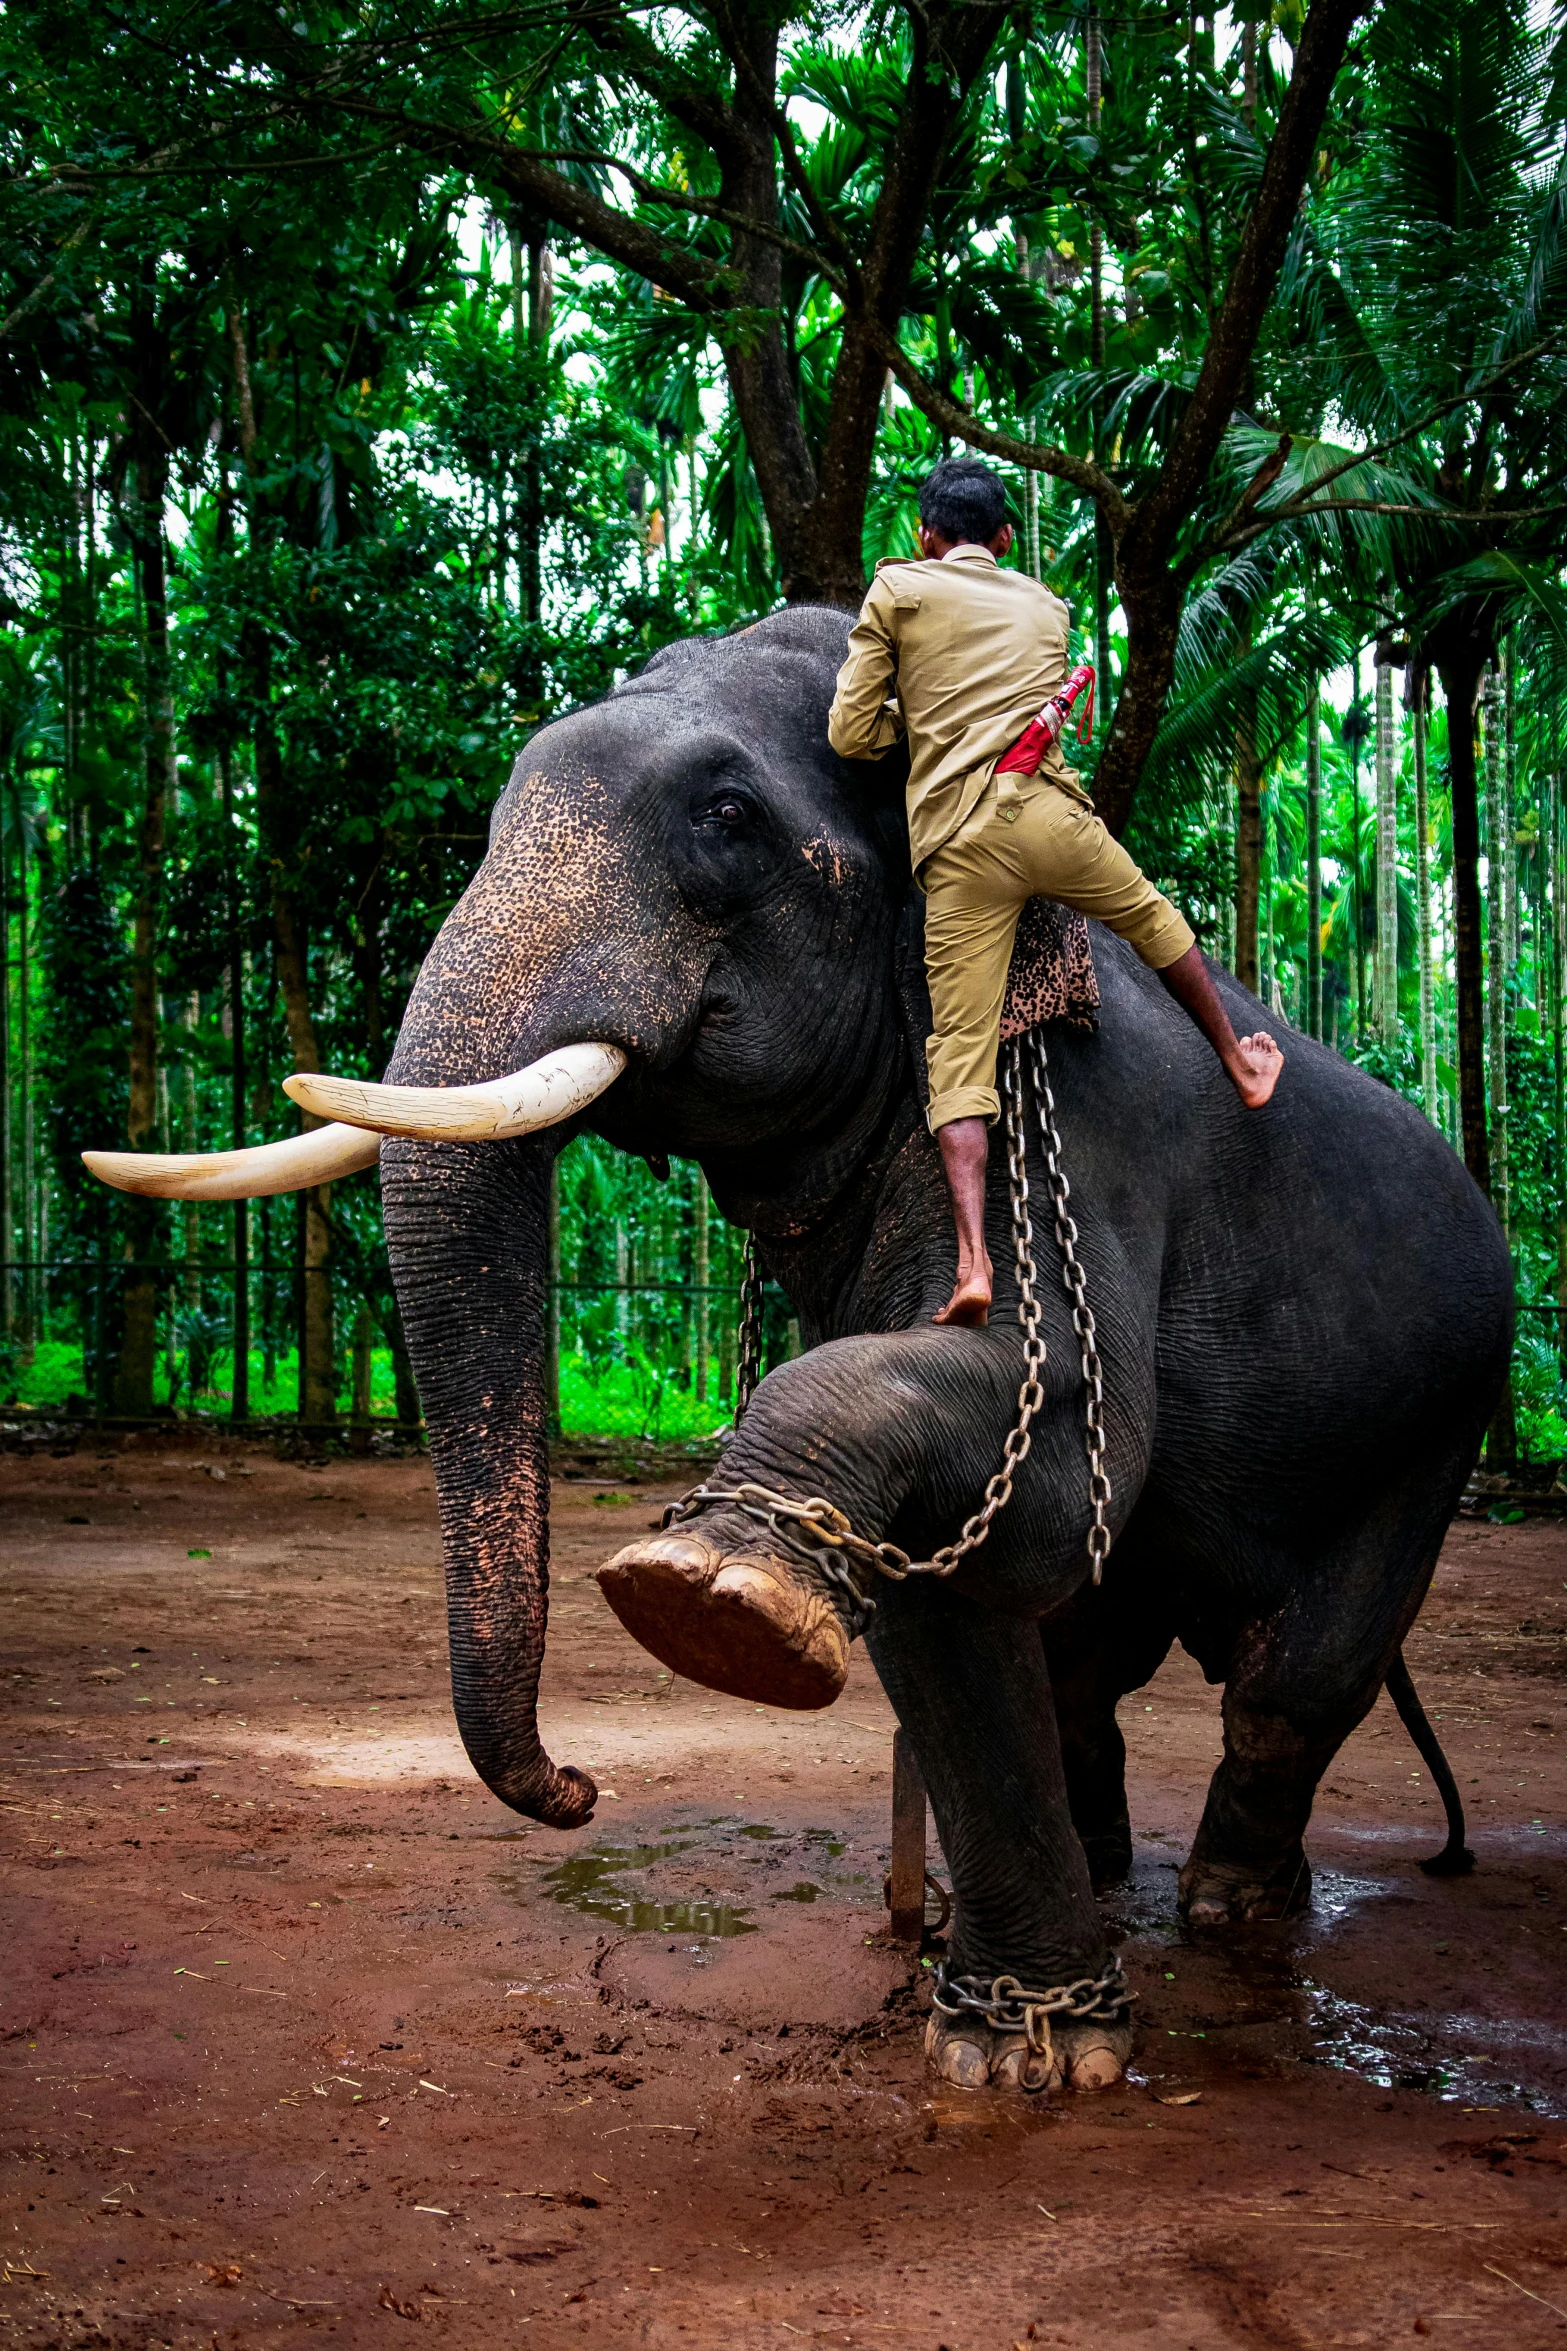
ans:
(1396, 2053)
(760, 1831)
(719, 1921)
(1274, 1983)
(803, 1892)
(588, 1882)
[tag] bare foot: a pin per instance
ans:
(1255, 1070)
(968, 1308)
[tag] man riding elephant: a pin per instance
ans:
(973, 655)
(694, 932)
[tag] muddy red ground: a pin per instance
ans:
(307, 2037)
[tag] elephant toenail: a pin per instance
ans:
(1095, 2069)
(1018, 2067)
(964, 2064)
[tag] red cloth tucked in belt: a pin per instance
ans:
(1026, 753)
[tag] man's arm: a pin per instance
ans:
(861, 723)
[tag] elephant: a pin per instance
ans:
(694, 931)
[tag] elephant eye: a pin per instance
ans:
(725, 808)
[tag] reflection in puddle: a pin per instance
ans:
(1398, 2053)
(587, 1882)
(592, 1880)
(1259, 1993)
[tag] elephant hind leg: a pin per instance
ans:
(1299, 1682)
(1248, 1861)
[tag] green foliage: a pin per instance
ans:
(421, 493)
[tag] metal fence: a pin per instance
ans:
(660, 1354)
(644, 1359)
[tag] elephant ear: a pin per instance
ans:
(1052, 977)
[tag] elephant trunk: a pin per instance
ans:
(467, 1226)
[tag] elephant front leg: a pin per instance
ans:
(972, 1689)
(902, 1431)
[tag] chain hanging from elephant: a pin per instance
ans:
(815, 1529)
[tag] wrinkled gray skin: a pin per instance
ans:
(1304, 1312)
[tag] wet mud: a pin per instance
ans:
(305, 2036)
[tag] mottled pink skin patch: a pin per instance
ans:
(828, 859)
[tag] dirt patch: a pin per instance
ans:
(307, 2035)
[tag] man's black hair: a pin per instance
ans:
(963, 501)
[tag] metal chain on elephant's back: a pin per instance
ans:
(815, 1529)
(1099, 1490)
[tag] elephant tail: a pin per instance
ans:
(1455, 1859)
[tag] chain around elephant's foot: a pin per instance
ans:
(744, 1622)
(1082, 2055)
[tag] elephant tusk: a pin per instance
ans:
(322, 1157)
(548, 1090)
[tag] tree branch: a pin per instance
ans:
(1032, 456)
(1264, 240)
(702, 207)
(783, 129)
(1465, 518)
(30, 302)
(70, 174)
(698, 280)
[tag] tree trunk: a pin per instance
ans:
(1556, 823)
(1150, 595)
(190, 1211)
(7, 1236)
(1460, 672)
(24, 1026)
(317, 1338)
(1104, 544)
(1387, 858)
(700, 1265)
(240, 1391)
(317, 1333)
(363, 1367)
(727, 1348)
(1511, 876)
(1313, 862)
(144, 1221)
(1248, 839)
(1496, 948)
(1428, 1083)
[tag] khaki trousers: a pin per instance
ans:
(975, 886)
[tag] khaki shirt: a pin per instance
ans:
(971, 653)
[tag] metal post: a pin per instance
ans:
(100, 1368)
(240, 1392)
(908, 1842)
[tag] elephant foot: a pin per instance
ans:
(1083, 2055)
(1216, 1894)
(741, 1622)
(1109, 1858)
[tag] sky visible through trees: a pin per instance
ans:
(378, 384)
